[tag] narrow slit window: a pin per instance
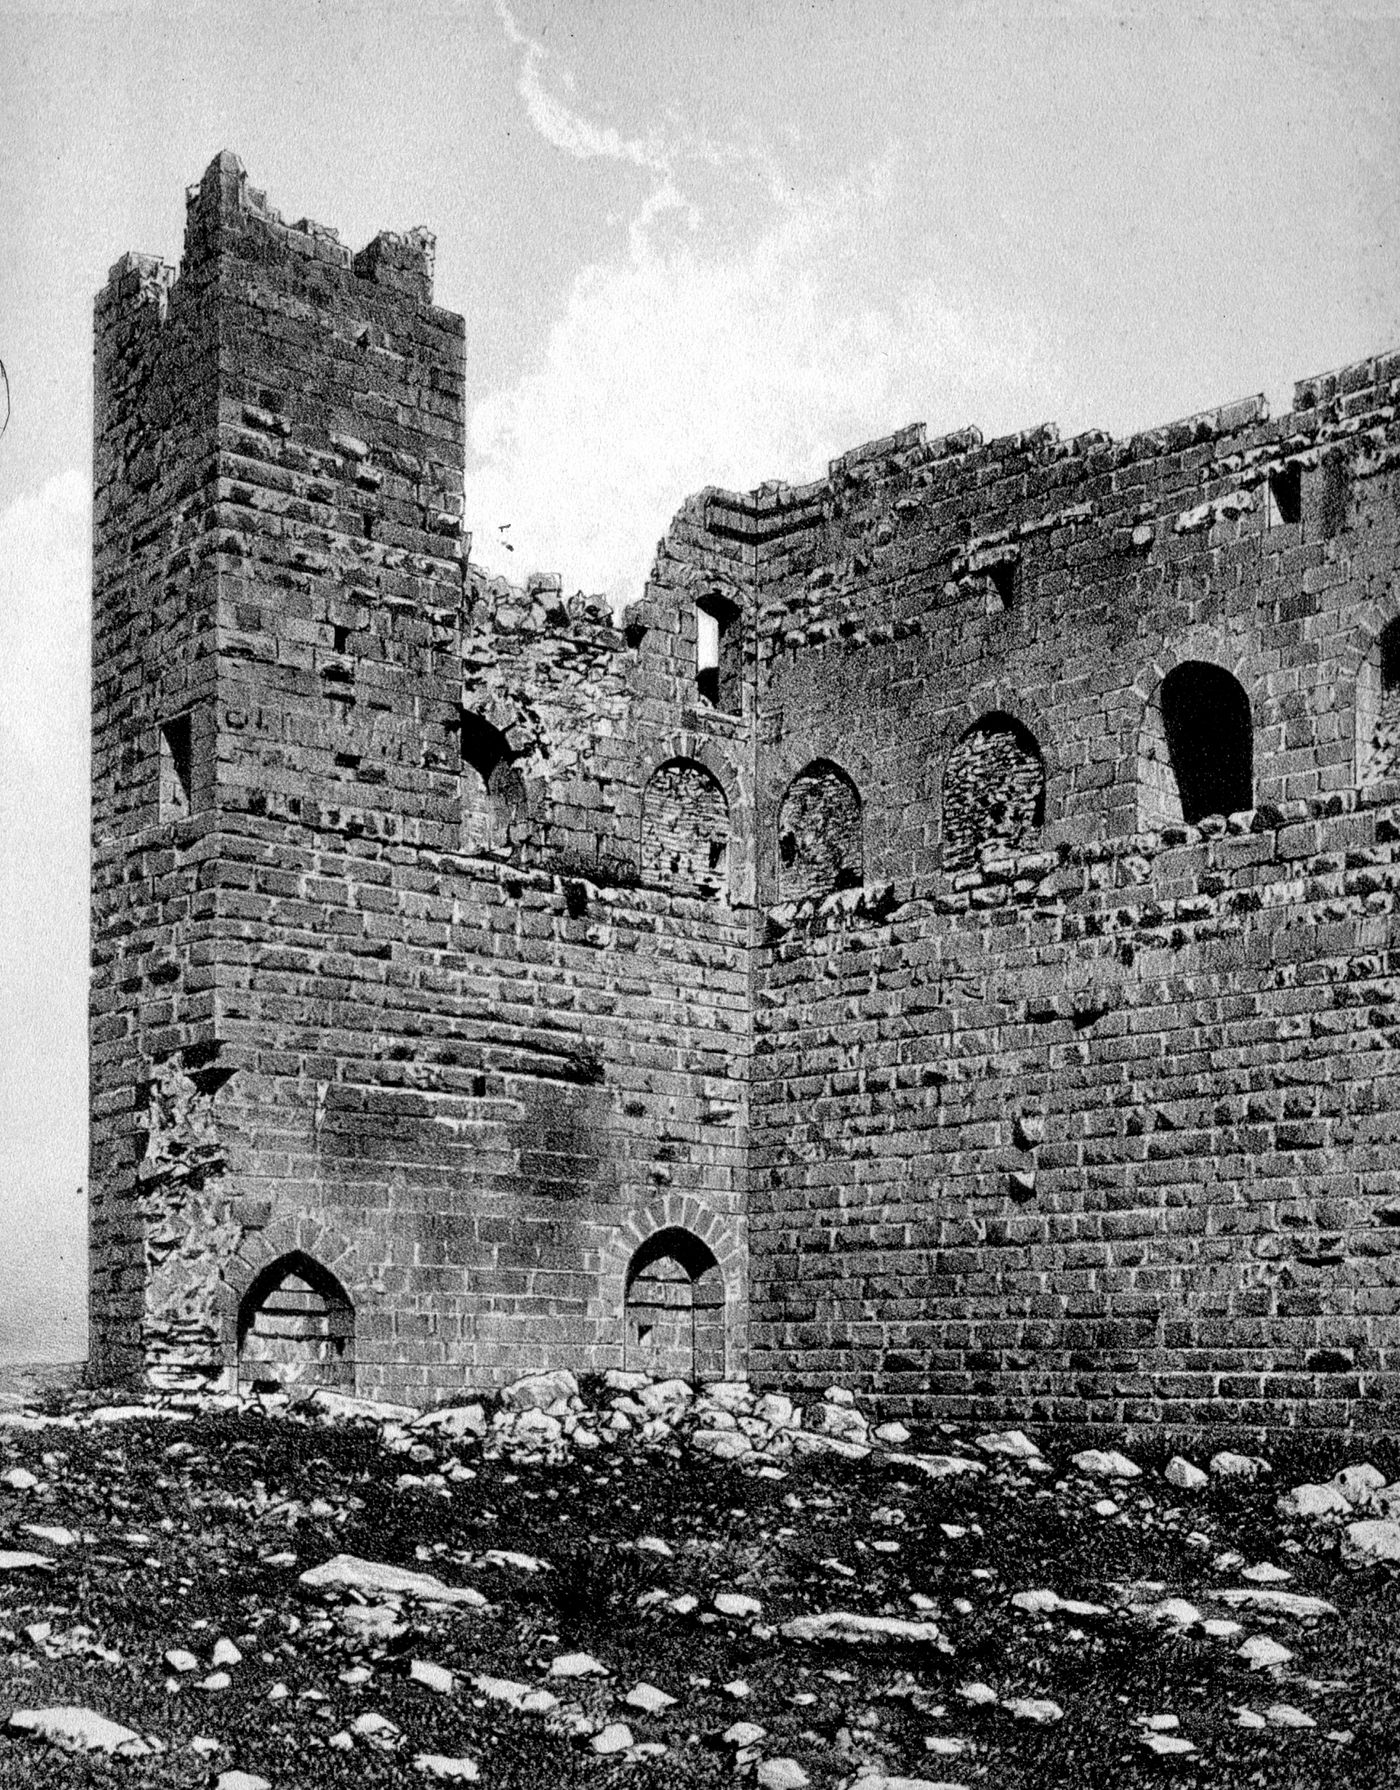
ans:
(175, 768)
(1285, 496)
(1001, 587)
(707, 656)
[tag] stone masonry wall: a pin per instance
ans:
(1103, 1127)
(355, 1008)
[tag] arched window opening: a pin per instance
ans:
(993, 790)
(296, 1326)
(685, 830)
(493, 790)
(1378, 710)
(820, 844)
(673, 1309)
(1209, 739)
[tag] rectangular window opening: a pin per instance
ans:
(175, 768)
(717, 655)
(1286, 496)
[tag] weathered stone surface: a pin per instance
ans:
(407, 879)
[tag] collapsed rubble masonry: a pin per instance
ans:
(942, 938)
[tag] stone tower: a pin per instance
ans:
(381, 1096)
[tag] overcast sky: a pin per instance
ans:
(696, 242)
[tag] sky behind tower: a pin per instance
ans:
(696, 242)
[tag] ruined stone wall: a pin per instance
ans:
(375, 1019)
(1098, 1122)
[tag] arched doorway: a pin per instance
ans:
(673, 1309)
(296, 1326)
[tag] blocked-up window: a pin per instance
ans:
(1209, 739)
(718, 654)
(820, 843)
(685, 830)
(993, 790)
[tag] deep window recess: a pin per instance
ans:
(1286, 496)
(176, 766)
(718, 654)
(685, 830)
(1378, 709)
(1210, 740)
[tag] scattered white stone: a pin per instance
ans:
(1101, 1463)
(576, 1665)
(685, 1603)
(19, 1479)
(735, 1603)
(436, 1678)
(349, 1571)
(1228, 1465)
(738, 1688)
(1016, 1445)
(894, 1434)
(241, 1780)
(225, 1653)
(839, 1395)
(1167, 1744)
(1378, 1538)
(519, 1696)
(844, 1625)
(216, 1681)
(1314, 1501)
(1046, 1603)
(76, 1730)
(1249, 1718)
(729, 1395)
(977, 1693)
(653, 1544)
(741, 1734)
(777, 1411)
(345, 1409)
(1034, 1709)
(1160, 1724)
(1284, 1715)
(939, 1466)
(1105, 1507)
(615, 1738)
(879, 1780)
(1220, 1628)
(1184, 1476)
(520, 1562)
(456, 1421)
(1175, 1610)
(781, 1774)
(180, 1659)
(1287, 1603)
(1262, 1651)
(1357, 1484)
(438, 1765)
(724, 1445)
(537, 1392)
(56, 1537)
(947, 1746)
(648, 1698)
(130, 1413)
(1266, 1573)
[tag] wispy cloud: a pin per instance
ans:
(565, 128)
(720, 353)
